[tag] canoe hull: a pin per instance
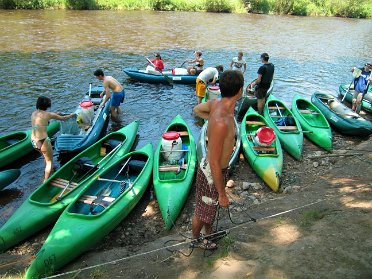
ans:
(313, 122)
(141, 76)
(8, 176)
(78, 229)
(16, 145)
(291, 140)
(172, 188)
(79, 138)
(268, 166)
(366, 101)
(345, 120)
(41, 209)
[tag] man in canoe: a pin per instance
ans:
(212, 173)
(207, 76)
(117, 96)
(361, 86)
(263, 81)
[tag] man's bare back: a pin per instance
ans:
(112, 83)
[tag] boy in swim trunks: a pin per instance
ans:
(117, 96)
(39, 135)
(212, 173)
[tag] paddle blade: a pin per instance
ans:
(57, 195)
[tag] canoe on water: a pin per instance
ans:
(202, 145)
(173, 180)
(106, 200)
(18, 144)
(48, 201)
(366, 101)
(249, 99)
(8, 176)
(143, 76)
(286, 126)
(340, 116)
(315, 126)
(79, 133)
(266, 161)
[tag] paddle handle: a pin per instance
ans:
(90, 90)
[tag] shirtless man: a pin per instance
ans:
(117, 96)
(212, 173)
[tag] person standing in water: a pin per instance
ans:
(39, 135)
(117, 96)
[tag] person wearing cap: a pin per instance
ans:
(199, 63)
(207, 76)
(361, 84)
(117, 96)
(263, 81)
(238, 63)
(158, 63)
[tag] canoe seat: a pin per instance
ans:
(263, 148)
(255, 123)
(171, 167)
(307, 111)
(183, 133)
(272, 107)
(287, 128)
(61, 183)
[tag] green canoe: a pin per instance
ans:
(8, 176)
(172, 182)
(367, 98)
(16, 145)
(43, 207)
(201, 147)
(289, 132)
(315, 126)
(248, 99)
(344, 119)
(106, 200)
(266, 161)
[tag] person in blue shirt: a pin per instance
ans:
(361, 86)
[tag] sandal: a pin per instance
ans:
(203, 244)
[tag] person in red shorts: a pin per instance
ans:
(212, 172)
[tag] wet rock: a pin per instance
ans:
(291, 189)
(244, 195)
(246, 186)
(315, 164)
(230, 183)
(256, 202)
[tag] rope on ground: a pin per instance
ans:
(188, 241)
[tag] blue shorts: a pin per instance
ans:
(117, 98)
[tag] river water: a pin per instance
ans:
(54, 53)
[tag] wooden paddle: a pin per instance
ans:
(167, 79)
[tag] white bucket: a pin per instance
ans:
(85, 112)
(213, 92)
(171, 144)
(179, 71)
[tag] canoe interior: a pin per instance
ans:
(11, 139)
(100, 195)
(178, 172)
(311, 114)
(68, 174)
(254, 123)
(337, 107)
(277, 111)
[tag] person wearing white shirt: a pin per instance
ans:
(238, 63)
(207, 76)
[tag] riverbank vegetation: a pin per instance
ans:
(343, 8)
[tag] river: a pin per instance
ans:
(54, 53)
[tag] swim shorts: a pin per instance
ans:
(200, 88)
(117, 98)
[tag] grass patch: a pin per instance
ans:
(308, 218)
(97, 273)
